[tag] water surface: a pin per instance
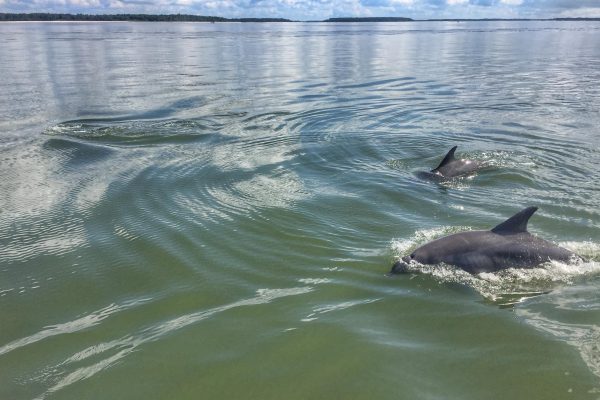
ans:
(209, 210)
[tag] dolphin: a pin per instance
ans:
(507, 245)
(451, 167)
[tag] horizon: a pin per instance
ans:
(131, 17)
(318, 10)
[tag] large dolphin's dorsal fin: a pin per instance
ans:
(449, 157)
(517, 223)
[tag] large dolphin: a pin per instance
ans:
(451, 167)
(508, 245)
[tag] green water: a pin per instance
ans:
(210, 210)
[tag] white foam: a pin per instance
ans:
(76, 325)
(334, 307)
(314, 281)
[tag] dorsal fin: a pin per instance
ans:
(517, 223)
(449, 157)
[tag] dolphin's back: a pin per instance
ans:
(461, 249)
(507, 245)
(451, 167)
(459, 168)
(487, 251)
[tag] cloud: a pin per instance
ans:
(583, 12)
(386, 3)
(484, 3)
(455, 2)
(375, 3)
(512, 2)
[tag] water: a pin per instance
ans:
(209, 210)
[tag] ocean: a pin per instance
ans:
(210, 211)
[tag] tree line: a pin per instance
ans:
(129, 17)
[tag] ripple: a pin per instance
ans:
(243, 169)
(280, 191)
(378, 83)
(140, 132)
(54, 241)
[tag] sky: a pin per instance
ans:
(319, 9)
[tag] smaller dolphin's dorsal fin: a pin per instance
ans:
(449, 157)
(517, 223)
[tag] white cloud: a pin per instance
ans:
(183, 2)
(584, 12)
(214, 4)
(454, 2)
(512, 2)
(402, 2)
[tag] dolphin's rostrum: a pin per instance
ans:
(508, 245)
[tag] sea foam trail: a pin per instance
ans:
(569, 314)
(88, 321)
(118, 349)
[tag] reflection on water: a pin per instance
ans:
(155, 176)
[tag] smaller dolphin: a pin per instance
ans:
(451, 167)
(508, 245)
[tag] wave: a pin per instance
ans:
(137, 132)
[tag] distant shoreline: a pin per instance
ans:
(57, 17)
(51, 17)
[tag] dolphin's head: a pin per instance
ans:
(401, 266)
